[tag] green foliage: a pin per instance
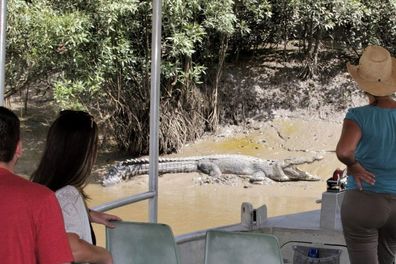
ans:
(219, 16)
(65, 94)
(39, 40)
(95, 55)
(253, 24)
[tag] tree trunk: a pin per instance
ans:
(310, 62)
(213, 117)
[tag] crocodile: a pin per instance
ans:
(256, 169)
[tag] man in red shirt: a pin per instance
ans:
(31, 224)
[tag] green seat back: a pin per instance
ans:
(141, 243)
(241, 248)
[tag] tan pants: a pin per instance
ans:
(369, 223)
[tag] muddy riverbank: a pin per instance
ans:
(186, 205)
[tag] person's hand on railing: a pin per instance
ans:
(103, 218)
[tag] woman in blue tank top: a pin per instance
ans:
(367, 147)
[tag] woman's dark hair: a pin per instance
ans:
(70, 152)
(9, 134)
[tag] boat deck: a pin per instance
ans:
(297, 233)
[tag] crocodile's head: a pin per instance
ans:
(113, 176)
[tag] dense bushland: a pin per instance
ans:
(95, 55)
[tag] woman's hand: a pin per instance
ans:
(84, 252)
(103, 218)
(360, 174)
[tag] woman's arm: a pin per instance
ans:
(350, 137)
(86, 253)
(102, 218)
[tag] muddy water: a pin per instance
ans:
(187, 206)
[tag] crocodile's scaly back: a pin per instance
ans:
(214, 165)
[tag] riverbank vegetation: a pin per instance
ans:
(95, 55)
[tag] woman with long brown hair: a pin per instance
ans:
(65, 166)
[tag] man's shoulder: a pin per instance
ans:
(31, 189)
(39, 191)
(21, 193)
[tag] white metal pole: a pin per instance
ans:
(154, 108)
(3, 28)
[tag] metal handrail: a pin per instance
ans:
(152, 194)
(124, 201)
(3, 27)
(154, 109)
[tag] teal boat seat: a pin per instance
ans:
(141, 243)
(224, 247)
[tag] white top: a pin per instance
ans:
(74, 212)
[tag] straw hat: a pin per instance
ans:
(376, 72)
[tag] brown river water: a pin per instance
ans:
(187, 206)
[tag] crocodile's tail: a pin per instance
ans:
(121, 172)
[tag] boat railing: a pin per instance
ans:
(152, 193)
(3, 27)
(125, 201)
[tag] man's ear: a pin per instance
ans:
(19, 150)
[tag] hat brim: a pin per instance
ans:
(377, 88)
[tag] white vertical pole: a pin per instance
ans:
(154, 108)
(3, 27)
